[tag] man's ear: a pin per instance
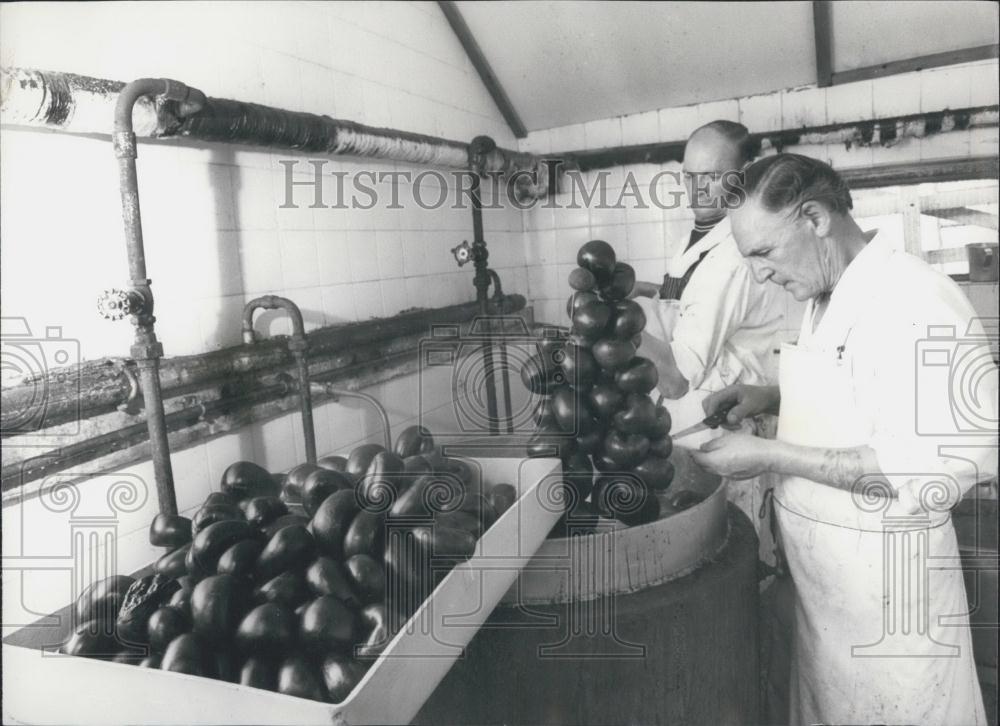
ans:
(818, 217)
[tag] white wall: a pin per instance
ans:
(215, 236)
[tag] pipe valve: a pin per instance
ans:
(115, 304)
(462, 253)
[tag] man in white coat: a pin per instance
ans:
(887, 410)
(710, 324)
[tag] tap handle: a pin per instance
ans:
(462, 253)
(115, 304)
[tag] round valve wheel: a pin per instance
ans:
(115, 304)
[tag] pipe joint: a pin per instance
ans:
(479, 151)
(272, 302)
(146, 351)
(190, 100)
(124, 144)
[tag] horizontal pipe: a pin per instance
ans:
(121, 447)
(885, 131)
(921, 172)
(81, 104)
(98, 387)
(37, 467)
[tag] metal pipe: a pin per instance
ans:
(298, 345)
(862, 132)
(242, 401)
(78, 104)
(504, 362)
(36, 467)
(137, 300)
(336, 393)
(480, 147)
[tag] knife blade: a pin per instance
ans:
(709, 422)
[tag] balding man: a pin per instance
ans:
(710, 325)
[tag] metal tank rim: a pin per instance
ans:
(620, 560)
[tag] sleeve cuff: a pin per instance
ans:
(689, 365)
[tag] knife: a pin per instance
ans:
(710, 422)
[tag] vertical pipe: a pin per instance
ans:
(298, 345)
(504, 362)
(149, 376)
(480, 255)
(146, 349)
(505, 377)
(305, 401)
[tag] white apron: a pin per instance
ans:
(880, 625)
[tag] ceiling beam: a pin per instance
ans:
(823, 32)
(934, 60)
(482, 66)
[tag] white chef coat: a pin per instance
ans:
(923, 372)
(727, 323)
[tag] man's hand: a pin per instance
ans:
(736, 456)
(748, 401)
(672, 383)
(644, 289)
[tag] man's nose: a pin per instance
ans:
(761, 272)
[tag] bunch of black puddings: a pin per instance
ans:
(597, 413)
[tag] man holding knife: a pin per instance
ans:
(862, 506)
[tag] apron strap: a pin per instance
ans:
(766, 514)
(673, 287)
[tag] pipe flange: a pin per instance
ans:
(146, 351)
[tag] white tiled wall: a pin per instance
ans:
(215, 235)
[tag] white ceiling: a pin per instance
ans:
(870, 33)
(569, 62)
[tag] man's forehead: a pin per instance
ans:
(708, 150)
(749, 227)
